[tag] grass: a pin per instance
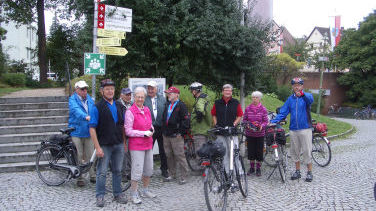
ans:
(7, 90)
(271, 103)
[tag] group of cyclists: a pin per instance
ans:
(115, 128)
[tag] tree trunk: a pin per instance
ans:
(42, 59)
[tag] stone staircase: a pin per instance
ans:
(24, 122)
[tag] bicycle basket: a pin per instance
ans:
(211, 150)
(320, 128)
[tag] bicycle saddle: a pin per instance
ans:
(67, 130)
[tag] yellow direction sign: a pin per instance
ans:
(113, 41)
(111, 33)
(116, 51)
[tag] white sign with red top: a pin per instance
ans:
(114, 18)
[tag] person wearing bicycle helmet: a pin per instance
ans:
(80, 104)
(298, 105)
(201, 119)
(255, 115)
(227, 111)
(107, 133)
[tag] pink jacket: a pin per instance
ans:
(257, 114)
(136, 122)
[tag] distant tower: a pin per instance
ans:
(261, 10)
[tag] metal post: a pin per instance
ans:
(242, 74)
(320, 89)
(94, 45)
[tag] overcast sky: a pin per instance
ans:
(301, 16)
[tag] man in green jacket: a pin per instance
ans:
(201, 120)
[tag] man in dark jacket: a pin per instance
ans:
(156, 104)
(107, 132)
(175, 125)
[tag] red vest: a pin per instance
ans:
(142, 122)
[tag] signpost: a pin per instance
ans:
(116, 51)
(95, 64)
(321, 59)
(111, 33)
(114, 18)
(113, 41)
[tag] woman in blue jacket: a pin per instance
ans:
(80, 103)
(299, 107)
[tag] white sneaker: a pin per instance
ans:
(135, 198)
(147, 194)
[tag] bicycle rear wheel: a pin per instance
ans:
(269, 159)
(190, 155)
(281, 164)
(215, 192)
(321, 151)
(46, 158)
(241, 177)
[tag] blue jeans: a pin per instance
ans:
(115, 154)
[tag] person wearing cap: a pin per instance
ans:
(107, 133)
(201, 120)
(126, 101)
(299, 106)
(156, 104)
(175, 125)
(227, 112)
(80, 105)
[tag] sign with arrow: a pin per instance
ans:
(116, 51)
(111, 33)
(114, 18)
(113, 41)
(94, 64)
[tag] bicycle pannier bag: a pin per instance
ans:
(280, 136)
(211, 150)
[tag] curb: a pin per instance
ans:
(342, 134)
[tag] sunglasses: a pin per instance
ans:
(83, 89)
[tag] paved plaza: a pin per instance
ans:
(346, 184)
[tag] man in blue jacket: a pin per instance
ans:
(299, 106)
(80, 103)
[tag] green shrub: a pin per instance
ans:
(15, 79)
(284, 92)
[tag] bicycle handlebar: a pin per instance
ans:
(226, 131)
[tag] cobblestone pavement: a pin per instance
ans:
(37, 93)
(346, 184)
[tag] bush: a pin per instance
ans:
(15, 79)
(284, 92)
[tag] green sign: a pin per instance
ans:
(95, 64)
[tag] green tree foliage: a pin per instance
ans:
(357, 52)
(282, 67)
(301, 48)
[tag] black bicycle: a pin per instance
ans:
(57, 162)
(191, 156)
(217, 182)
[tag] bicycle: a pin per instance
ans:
(190, 153)
(321, 150)
(57, 163)
(276, 146)
(217, 182)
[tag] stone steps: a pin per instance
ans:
(24, 123)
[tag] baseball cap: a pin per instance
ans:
(172, 90)
(107, 82)
(80, 84)
(126, 91)
(152, 83)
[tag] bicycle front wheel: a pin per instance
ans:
(215, 192)
(269, 159)
(241, 177)
(190, 155)
(321, 151)
(47, 157)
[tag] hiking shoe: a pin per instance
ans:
(100, 201)
(80, 183)
(147, 194)
(251, 171)
(167, 179)
(135, 198)
(182, 181)
(121, 199)
(309, 177)
(93, 180)
(258, 172)
(296, 175)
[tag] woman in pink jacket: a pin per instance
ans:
(257, 115)
(139, 129)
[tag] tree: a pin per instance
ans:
(299, 48)
(283, 67)
(357, 52)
